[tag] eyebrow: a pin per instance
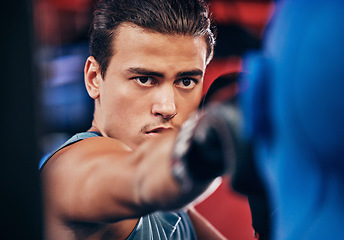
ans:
(196, 72)
(144, 71)
(147, 72)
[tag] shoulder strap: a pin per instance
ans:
(76, 138)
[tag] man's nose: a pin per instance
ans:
(164, 104)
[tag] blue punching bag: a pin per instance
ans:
(294, 115)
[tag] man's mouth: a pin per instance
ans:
(158, 130)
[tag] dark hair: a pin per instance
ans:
(185, 17)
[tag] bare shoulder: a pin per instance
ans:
(79, 179)
(87, 150)
(95, 146)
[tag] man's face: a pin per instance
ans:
(152, 84)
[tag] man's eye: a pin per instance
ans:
(186, 83)
(145, 81)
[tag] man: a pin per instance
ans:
(145, 75)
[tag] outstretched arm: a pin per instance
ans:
(101, 180)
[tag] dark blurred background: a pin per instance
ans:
(44, 102)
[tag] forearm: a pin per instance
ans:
(177, 167)
(156, 186)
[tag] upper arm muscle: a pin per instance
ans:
(91, 181)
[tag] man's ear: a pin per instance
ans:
(92, 77)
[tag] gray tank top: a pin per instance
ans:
(155, 226)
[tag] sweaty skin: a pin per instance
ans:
(99, 187)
